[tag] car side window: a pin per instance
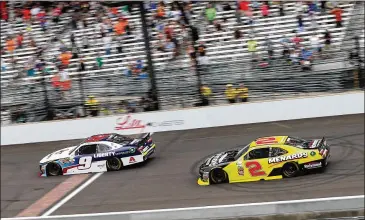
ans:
(87, 149)
(277, 151)
(260, 153)
(103, 148)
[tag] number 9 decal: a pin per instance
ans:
(85, 162)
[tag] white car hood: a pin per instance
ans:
(63, 153)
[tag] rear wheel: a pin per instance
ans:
(53, 169)
(218, 175)
(114, 164)
(290, 170)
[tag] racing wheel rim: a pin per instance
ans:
(53, 169)
(218, 175)
(290, 170)
(114, 164)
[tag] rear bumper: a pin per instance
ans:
(149, 152)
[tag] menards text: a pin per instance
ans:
(288, 157)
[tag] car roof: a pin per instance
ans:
(268, 141)
(98, 137)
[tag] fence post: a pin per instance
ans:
(149, 57)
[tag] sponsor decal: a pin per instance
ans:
(127, 122)
(67, 160)
(101, 166)
(215, 159)
(288, 157)
(313, 153)
(240, 169)
(313, 165)
(205, 176)
(132, 150)
(106, 154)
(132, 160)
(122, 152)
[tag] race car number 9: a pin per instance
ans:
(85, 163)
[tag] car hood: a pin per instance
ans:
(65, 152)
(219, 159)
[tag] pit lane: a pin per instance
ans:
(169, 179)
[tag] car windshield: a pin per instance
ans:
(297, 142)
(119, 139)
(241, 152)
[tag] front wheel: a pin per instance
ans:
(53, 169)
(114, 164)
(290, 170)
(218, 175)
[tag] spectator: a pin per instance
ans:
(99, 61)
(160, 10)
(237, 34)
(230, 93)
(270, 47)
(338, 14)
(34, 11)
(85, 42)
(72, 39)
(206, 93)
(10, 45)
(313, 20)
(281, 8)
(92, 106)
(202, 49)
(252, 47)
(30, 69)
(107, 40)
(315, 43)
(19, 40)
(81, 64)
(265, 10)
(285, 42)
(120, 26)
(327, 40)
(210, 13)
(296, 41)
(65, 58)
(56, 13)
(26, 14)
(242, 93)
(306, 59)
(300, 23)
(323, 6)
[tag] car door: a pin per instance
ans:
(84, 156)
(255, 164)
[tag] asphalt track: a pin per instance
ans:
(169, 179)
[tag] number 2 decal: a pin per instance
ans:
(85, 162)
(267, 140)
(255, 168)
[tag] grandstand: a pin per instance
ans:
(229, 60)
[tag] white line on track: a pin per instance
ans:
(72, 194)
(281, 125)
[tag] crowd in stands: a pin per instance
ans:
(175, 31)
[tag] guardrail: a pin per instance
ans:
(215, 116)
(332, 204)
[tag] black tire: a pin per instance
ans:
(290, 170)
(218, 175)
(53, 169)
(114, 164)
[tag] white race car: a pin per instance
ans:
(98, 153)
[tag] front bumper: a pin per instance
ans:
(203, 179)
(42, 170)
(149, 152)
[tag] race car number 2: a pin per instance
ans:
(267, 140)
(85, 163)
(255, 168)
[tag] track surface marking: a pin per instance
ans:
(169, 180)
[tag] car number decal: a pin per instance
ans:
(255, 168)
